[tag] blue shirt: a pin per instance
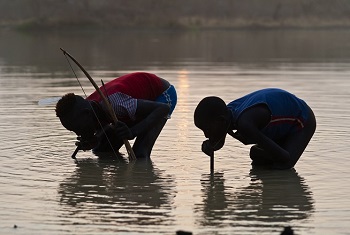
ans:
(288, 112)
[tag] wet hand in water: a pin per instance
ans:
(120, 130)
(124, 131)
(86, 143)
(207, 148)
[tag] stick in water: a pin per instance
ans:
(212, 163)
(75, 153)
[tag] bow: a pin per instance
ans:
(105, 100)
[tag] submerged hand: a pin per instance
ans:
(207, 148)
(123, 131)
(86, 144)
(118, 131)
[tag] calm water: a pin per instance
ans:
(42, 190)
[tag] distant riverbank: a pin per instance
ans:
(180, 14)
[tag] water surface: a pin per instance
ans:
(43, 191)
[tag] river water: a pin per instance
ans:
(43, 191)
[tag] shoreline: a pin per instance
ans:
(93, 27)
(175, 15)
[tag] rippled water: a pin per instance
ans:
(43, 191)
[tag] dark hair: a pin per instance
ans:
(209, 109)
(65, 104)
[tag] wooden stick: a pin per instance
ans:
(75, 153)
(212, 163)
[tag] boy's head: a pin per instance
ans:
(76, 114)
(211, 116)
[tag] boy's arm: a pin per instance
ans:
(249, 125)
(238, 137)
(149, 113)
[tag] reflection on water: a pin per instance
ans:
(215, 206)
(43, 191)
(272, 197)
(117, 193)
(278, 196)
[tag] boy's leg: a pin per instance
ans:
(144, 143)
(296, 143)
(259, 156)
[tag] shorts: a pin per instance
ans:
(168, 97)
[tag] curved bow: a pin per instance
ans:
(105, 100)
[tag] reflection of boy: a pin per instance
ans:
(277, 122)
(142, 102)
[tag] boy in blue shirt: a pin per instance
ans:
(279, 124)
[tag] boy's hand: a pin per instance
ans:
(86, 144)
(123, 131)
(207, 148)
(116, 131)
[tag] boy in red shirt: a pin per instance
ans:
(142, 103)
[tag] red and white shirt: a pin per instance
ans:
(124, 91)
